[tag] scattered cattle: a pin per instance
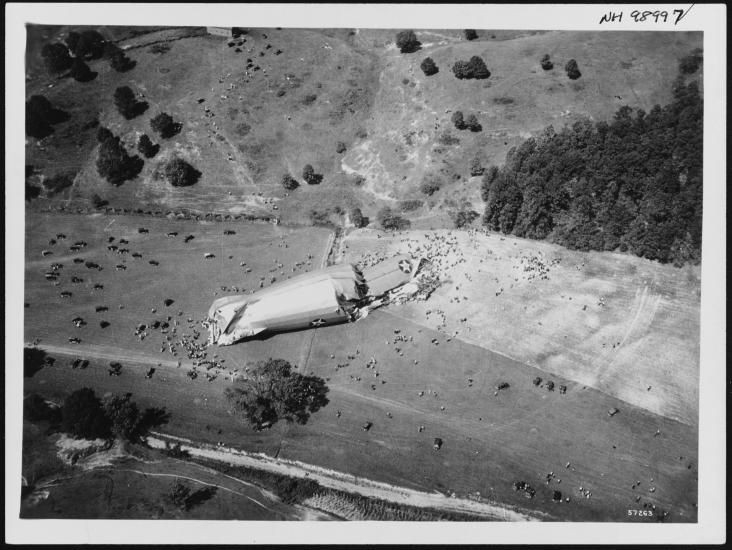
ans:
(136, 255)
(93, 265)
(60, 236)
(437, 444)
(366, 426)
(124, 241)
(115, 369)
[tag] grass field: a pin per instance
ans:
(521, 434)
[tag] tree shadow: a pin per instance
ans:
(199, 497)
(34, 359)
(153, 417)
(139, 108)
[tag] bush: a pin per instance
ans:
(410, 205)
(164, 125)
(179, 173)
(470, 34)
(56, 57)
(458, 120)
(159, 48)
(320, 217)
(428, 66)
(430, 185)
(474, 68)
(121, 63)
(40, 116)
(572, 69)
(81, 72)
(691, 63)
(476, 168)
(113, 162)
(59, 182)
(546, 64)
(358, 219)
(127, 104)
(146, 147)
(407, 42)
(309, 99)
(309, 175)
(391, 221)
(463, 218)
(340, 147)
(31, 191)
(295, 490)
(472, 124)
(273, 392)
(83, 416)
(72, 39)
(289, 183)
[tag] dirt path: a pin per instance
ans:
(342, 481)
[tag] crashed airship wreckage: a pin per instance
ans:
(335, 294)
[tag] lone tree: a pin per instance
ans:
(83, 416)
(146, 147)
(546, 63)
(289, 183)
(389, 220)
(56, 57)
(274, 392)
(181, 174)
(40, 115)
(428, 66)
(407, 41)
(358, 219)
(127, 104)
(474, 68)
(309, 175)
(430, 185)
(113, 162)
(572, 69)
(470, 34)
(164, 125)
(472, 124)
(81, 72)
(120, 62)
(458, 120)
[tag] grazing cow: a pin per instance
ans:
(60, 236)
(74, 248)
(366, 426)
(66, 294)
(153, 262)
(124, 241)
(101, 308)
(136, 255)
(120, 266)
(46, 253)
(103, 324)
(142, 230)
(208, 256)
(110, 240)
(56, 266)
(112, 247)
(150, 372)
(188, 239)
(52, 242)
(98, 286)
(172, 234)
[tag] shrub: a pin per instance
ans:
(179, 173)
(430, 185)
(309, 99)
(31, 191)
(391, 221)
(113, 162)
(127, 104)
(407, 41)
(289, 183)
(463, 218)
(56, 57)
(309, 175)
(242, 129)
(59, 182)
(446, 138)
(691, 63)
(470, 34)
(472, 124)
(572, 69)
(160, 48)
(83, 416)
(40, 116)
(474, 68)
(340, 147)
(358, 219)
(81, 72)
(164, 125)
(476, 168)
(320, 217)
(410, 205)
(146, 147)
(546, 64)
(428, 66)
(98, 201)
(121, 63)
(458, 121)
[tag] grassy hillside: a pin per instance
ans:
(325, 87)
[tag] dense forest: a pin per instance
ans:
(633, 184)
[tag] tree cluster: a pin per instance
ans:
(274, 392)
(147, 147)
(474, 68)
(391, 221)
(127, 104)
(40, 116)
(289, 183)
(407, 42)
(113, 162)
(309, 175)
(471, 123)
(632, 184)
(81, 72)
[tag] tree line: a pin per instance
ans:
(632, 184)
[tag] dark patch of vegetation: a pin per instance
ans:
(446, 138)
(127, 104)
(633, 184)
(309, 99)
(179, 173)
(431, 184)
(503, 100)
(113, 162)
(546, 63)
(464, 217)
(472, 124)
(98, 201)
(31, 191)
(127, 422)
(274, 392)
(164, 125)
(474, 68)
(458, 120)
(289, 183)
(572, 69)
(34, 359)
(81, 72)
(161, 48)
(40, 116)
(293, 490)
(59, 182)
(410, 205)
(309, 175)
(476, 167)
(358, 219)
(690, 64)
(147, 147)
(36, 409)
(428, 66)
(120, 62)
(56, 57)
(407, 42)
(83, 415)
(340, 147)
(242, 129)
(470, 34)
(391, 221)
(88, 44)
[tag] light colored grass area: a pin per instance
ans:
(626, 326)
